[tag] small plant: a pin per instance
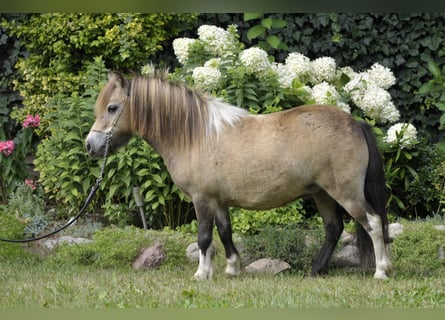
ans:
(417, 250)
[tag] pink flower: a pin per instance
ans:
(6, 147)
(31, 183)
(31, 121)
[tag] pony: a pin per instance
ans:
(221, 156)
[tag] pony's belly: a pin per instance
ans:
(268, 198)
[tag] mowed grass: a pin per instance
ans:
(39, 284)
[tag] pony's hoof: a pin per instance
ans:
(380, 275)
(202, 276)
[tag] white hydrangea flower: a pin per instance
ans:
(255, 60)
(323, 69)
(206, 77)
(299, 63)
(381, 76)
(215, 37)
(377, 104)
(325, 93)
(213, 63)
(286, 74)
(181, 47)
(401, 134)
(347, 71)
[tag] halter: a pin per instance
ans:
(109, 134)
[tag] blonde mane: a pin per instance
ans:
(173, 114)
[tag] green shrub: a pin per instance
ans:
(294, 244)
(10, 228)
(60, 44)
(118, 247)
(416, 250)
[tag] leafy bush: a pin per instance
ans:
(10, 228)
(118, 247)
(416, 250)
(294, 244)
(60, 44)
(249, 222)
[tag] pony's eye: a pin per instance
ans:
(112, 108)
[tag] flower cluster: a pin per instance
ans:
(206, 77)
(326, 83)
(181, 48)
(7, 147)
(403, 135)
(255, 60)
(368, 92)
(31, 121)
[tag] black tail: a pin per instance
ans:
(376, 195)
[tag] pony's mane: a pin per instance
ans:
(175, 114)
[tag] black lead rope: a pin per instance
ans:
(84, 207)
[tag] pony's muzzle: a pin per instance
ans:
(95, 143)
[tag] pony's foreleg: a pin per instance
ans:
(225, 233)
(205, 216)
(333, 226)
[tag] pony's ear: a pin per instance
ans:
(118, 78)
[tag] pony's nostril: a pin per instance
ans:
(88, 147)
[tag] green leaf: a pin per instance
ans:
(273, 41)
(252, 16)
(278, 23)
(267, 23)
(434, 69)
(255, 32)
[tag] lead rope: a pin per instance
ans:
(99, 179)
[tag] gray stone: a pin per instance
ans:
(51, 244)
(150, 258)
(192, 251)
(440, 227)
(394, 229)
(267, 265)
(346, 237)
(348, 256)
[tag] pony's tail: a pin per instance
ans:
(375, 193)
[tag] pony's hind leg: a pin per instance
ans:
(373, 225)
(331, 213)
(205, 216)
(224, 228)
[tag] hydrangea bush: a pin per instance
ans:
(216, 62)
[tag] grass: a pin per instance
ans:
(27, 281)
(39, 284)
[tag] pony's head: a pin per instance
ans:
(112, 114)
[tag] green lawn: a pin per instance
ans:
(39, 284)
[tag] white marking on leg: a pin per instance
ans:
(233, 265)
(205, 270)
(382, 262)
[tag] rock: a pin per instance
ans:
(150, 258)
(394, 229)
(267, 265)
(51, 244)
(346, 237)
(440, 227)
(192, 251)
(348, 256)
